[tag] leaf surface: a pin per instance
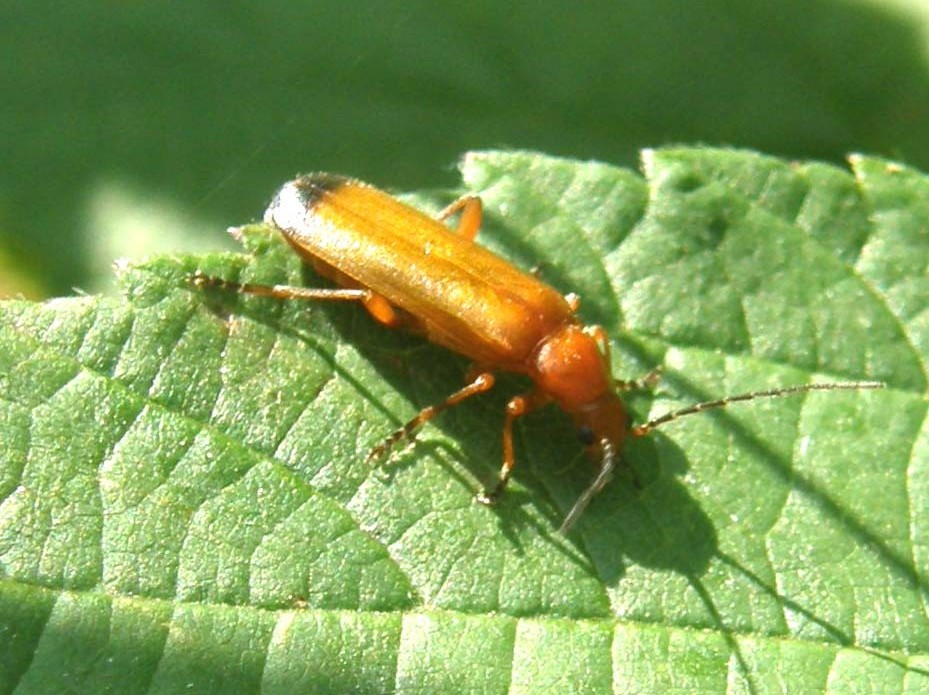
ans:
(185, 502)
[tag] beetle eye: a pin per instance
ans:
(585, 435)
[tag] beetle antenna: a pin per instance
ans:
(603, 477)
(641, 430)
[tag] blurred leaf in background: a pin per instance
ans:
(191, 114)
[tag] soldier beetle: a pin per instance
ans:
(411, 271)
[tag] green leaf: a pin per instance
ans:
(185, 502)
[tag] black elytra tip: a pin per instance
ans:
(313, 187)
(295, 198)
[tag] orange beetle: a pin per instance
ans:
(411, 271)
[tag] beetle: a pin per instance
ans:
(411, 271)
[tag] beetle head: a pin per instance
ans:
(571, 370)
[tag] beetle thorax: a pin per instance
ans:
(570, 368)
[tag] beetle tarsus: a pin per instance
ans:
(202, 280)
(408, 431)
(488, 499)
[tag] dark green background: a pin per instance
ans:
(209, 106)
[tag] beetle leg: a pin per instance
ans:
(603, 340)
(479, 384)
(643, 383)
(282, 291)
(472, 211)
(517, 407)
(381, 310)
(377, 305)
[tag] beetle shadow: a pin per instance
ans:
(896, 563)
(644, 516)
(659, 525)
(655, 524)
(426, 374)
(835, 633)
(899, 564)
(476, 428)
